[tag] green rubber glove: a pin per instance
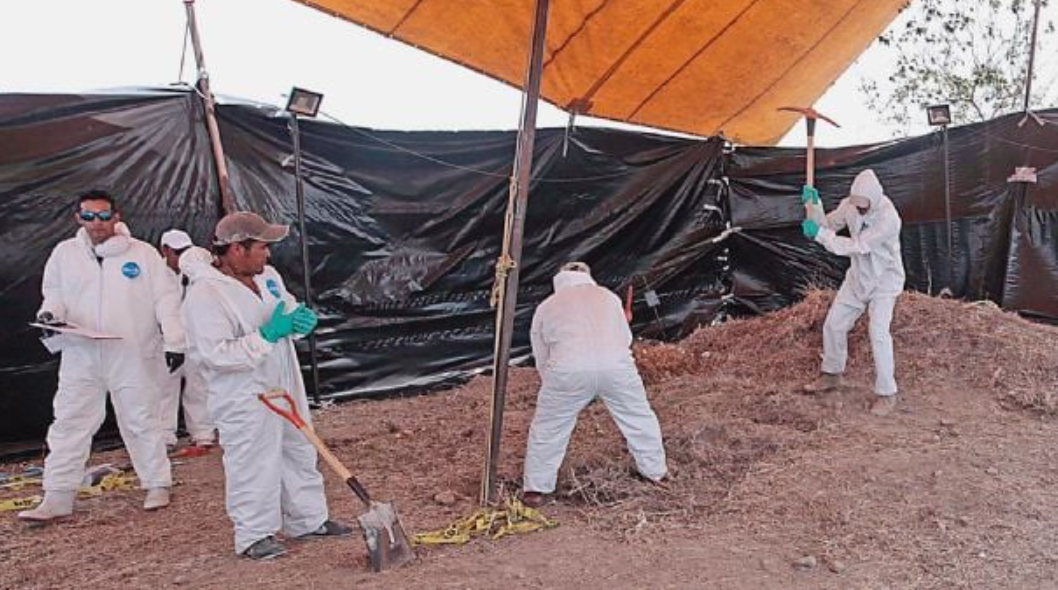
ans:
(280, 325)
(809, 195)
(810, 229)
(305, 320)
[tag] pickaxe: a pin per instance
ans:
(810, 116)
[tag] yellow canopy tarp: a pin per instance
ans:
(696, 66)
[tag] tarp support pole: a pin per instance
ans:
(947, 211)
(299, 191)
(202, 84)
(1032, 57)
(511, 254)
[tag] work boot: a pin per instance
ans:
(883, 405)
(56, 504)
(329, 528)
(826, 382)
(266, 548)
(534, 499)
(156, 498)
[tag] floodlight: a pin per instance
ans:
(304, 102)
(938, 114)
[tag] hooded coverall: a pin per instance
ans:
(118, 287)
(581, 342)
(193, 397)
(270, 471)
(872, 283)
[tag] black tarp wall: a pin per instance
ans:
(404, 227)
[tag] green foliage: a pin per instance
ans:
(971, 54)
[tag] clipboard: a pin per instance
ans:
(75, 330)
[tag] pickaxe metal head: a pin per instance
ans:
(811, 114)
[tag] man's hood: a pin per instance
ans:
(867, 185)
(196, 263)
(569, 278)
(116, 245)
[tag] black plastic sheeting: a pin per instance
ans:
(1004, 235)
(404, 227)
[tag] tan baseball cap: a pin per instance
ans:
(244, 225)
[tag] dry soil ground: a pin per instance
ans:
(773, 489)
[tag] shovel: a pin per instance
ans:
(387, 543)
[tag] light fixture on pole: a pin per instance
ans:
(939, 115)
(304, 103)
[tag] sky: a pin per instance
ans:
(258, 49)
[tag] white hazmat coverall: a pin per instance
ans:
(270, 470)
(581, 342)
(193, 395)
(119, 287)
(874, 280)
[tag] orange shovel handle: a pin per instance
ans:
(291, 410)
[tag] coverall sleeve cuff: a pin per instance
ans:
(258, 345)
(825, 235)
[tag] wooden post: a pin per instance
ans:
(202, 84)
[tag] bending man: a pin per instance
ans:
(240, 322)
(874, 280)
(582, 346)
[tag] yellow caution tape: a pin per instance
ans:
(515, 518)
(18, 483)
(110, 483)
(19, 503)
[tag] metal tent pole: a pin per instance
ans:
(510, 257)
(299, 190)
(202, 84)
(1028, 74)
(1032, 56)
(947, 211)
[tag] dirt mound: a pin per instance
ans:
(963, 470)
(976, 345)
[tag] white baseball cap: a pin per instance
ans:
(177, 239)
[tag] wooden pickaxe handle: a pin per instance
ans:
(810, 116)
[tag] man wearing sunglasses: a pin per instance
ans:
(107, 281)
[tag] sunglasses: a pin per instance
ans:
(93, 215)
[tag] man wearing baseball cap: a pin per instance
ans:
(184, 386)
(241, 321)
(873, 282)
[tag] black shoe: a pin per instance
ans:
(329, 528)
(266, 548)
(534, 499)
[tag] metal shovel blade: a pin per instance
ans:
(387, 543)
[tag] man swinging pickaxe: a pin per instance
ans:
(813, 208)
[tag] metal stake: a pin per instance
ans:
(510, 257)
(299, 189)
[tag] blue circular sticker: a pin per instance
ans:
(273, 287)
(130, 269)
